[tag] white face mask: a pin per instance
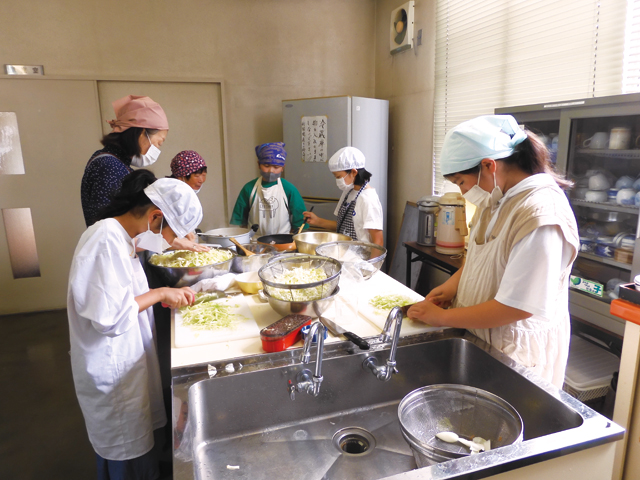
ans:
(480, 197)
(342, 185)
(154, 242)
(148, 158)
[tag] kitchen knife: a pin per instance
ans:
(338, 330)
(405, 309)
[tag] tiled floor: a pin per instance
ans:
(42, 432)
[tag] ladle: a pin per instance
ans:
(305, 220)
(451, 437)
(246, 252)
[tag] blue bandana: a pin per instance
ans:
(271, 153)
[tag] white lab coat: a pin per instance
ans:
(113, 353)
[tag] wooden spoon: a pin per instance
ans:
(246, 252)
(305, 220)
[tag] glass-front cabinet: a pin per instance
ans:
(596, 142)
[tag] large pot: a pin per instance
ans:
(282, 242)
(222, 236)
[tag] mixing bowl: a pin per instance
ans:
(187, 276)
(365, 258)
(307, 242)
(253, 263)
(467, 411)
(299, 278)
(312, 308)
(249, 282)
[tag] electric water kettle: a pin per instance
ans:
(428, 207)
(452, 224)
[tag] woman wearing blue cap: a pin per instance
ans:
(512, 291)
(269, 201)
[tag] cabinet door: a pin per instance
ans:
(604, 162)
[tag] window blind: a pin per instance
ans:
(631, 82)
(499, 53)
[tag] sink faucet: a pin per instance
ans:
(384, 372)
(305, 382)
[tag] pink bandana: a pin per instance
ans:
(136, 111)
(185, 163)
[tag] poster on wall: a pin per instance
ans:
(11, 162)
(314, 139)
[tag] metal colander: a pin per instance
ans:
(273, 276)
(466, 411)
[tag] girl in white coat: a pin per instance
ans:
(513, 288)
(113, 355)
(359, 211)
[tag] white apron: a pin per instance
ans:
(538, 343)
(269, 209)
(113, 352)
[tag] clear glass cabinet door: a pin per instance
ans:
(604, 162)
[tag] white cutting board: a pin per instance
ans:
(379, 285)
(185, 336)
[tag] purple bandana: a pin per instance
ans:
(271, 153)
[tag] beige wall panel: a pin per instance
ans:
(59, 129)
(266, 51)
(194, 111)
(407, 81)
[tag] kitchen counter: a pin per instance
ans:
(264, 315)
(586, 452)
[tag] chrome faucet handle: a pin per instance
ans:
(292, 390)
(305, 381)
(384, 372)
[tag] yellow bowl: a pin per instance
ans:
(249, 282)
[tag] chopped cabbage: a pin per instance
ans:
(187, 258)
(387, 302)
(299, 276)
(209, 315)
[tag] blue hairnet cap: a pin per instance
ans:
(488, 136)
(272, 153)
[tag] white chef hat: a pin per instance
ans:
(178, 202)
(488, 136)
(345, 159)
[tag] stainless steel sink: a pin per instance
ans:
(247, 419)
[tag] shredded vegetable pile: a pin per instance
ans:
(299, 276)
(387, 302)
(187, 258)
(209, 315)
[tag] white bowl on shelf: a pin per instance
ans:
(596, 196)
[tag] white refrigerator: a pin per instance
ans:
(315, 128)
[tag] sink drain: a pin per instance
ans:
(354, 441)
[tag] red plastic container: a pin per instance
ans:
(285, 332)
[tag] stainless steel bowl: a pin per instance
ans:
(221, 236)
(187, 276)
(272, 274)
(253, 263)
(312, 308)
(467, 411)
(307, 242)
(362, 258)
